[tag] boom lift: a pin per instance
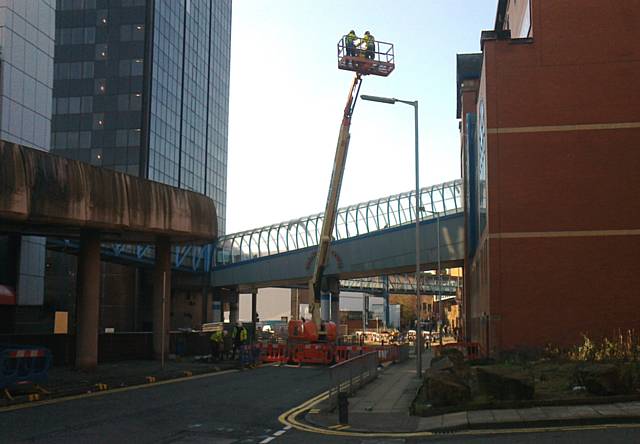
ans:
(380, 62)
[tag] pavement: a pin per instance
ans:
(66, 381)
(383, 407)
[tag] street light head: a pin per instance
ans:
(378, 99)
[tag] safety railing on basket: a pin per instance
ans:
(350, 375)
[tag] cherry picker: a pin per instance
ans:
(318, 330)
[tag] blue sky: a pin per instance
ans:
(287, 97)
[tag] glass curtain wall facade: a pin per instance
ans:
(26, 66)
(142, 87)
(190, 97)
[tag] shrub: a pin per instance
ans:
(622, 347)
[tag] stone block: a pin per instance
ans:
(445, 388)
(600, 379)
(505, 384)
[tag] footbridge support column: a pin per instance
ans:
(254, 306)
(234, 307)
(162, 298)
(88, 301)
(385, 295)
(217, 306)
(331, 300)
(335, 307)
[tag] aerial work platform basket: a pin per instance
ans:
(380, 62)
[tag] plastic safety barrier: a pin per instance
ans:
(23, 364)
(312, 354)
(250, 355)
(345, 352)
(274, 353)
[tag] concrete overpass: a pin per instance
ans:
(47, 195)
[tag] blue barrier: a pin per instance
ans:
(23, 364)
(249, 355)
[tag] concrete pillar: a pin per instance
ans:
(88, 310)
(325, 306)
(335, 307)
(216, 306)
(254, 305)
(206, 306)
(161, 297)
(295, 304)
(385, 295)
(234, 307)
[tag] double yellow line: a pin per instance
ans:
(290, 418)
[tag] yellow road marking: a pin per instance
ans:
(289, 418)
(110, 392)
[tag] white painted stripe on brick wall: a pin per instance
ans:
(564, 128)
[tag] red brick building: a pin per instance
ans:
(550, 131)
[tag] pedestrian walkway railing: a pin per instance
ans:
(23, 364)
(350, 375)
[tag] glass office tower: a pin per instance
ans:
(142, 87)
(26, 79)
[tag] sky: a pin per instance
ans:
(287, 97)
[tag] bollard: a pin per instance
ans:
(343, 408)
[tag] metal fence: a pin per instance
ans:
(348, 376)
(403, 353)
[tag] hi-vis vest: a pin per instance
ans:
(243, 333)
(351, 37)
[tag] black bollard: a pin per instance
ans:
(343, 408)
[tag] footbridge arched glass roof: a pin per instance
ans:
(351, 221)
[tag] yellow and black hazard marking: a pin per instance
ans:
(105, 392)
(187, 373)
(100, 387)
(150, 379)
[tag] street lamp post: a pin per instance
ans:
(393, 101)
(438, 274)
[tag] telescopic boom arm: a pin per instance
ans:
(332, 200)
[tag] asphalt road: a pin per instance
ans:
(228, 408)
(241, 407)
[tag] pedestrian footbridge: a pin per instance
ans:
(372, 238)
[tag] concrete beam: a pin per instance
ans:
(41, 193)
